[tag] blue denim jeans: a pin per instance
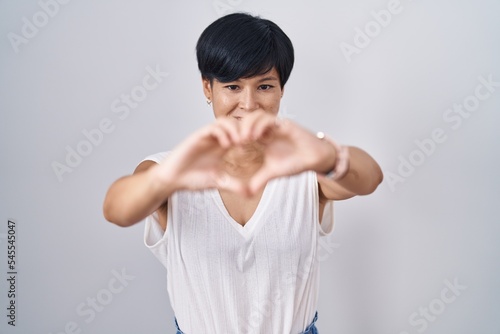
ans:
(311, 329)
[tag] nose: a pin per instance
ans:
(248, 100)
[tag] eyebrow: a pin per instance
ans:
(268, 79)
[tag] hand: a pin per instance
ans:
(288, 148)
(197, 163)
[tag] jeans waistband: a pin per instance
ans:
(311, 329)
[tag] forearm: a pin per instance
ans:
(362, 177)
(364, 174)
(134, 197)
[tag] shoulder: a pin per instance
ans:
(150, 160)
(157, 157)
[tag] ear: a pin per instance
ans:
(207, 88)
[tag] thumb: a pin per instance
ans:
(230, 183)
(260, 178)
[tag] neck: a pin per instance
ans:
(244, 161)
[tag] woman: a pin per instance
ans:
(236, 210)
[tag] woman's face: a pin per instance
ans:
(238, 98)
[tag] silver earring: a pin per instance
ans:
(209, 102)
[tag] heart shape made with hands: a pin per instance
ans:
(276, 147)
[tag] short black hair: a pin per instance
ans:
(242, 46)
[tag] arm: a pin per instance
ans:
(294, 149)
(362, 178)
(132, 198)
(194, 164)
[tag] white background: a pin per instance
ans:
(391, 252)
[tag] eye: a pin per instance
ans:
(232, 87)
(265, 87)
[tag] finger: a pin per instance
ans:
(260, 179)
(244, 129)
(221, 136)
(225, 181)
(231, 128)
(263, 126)
(252, 126)
(247, 124)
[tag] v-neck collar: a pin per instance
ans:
(254, 221)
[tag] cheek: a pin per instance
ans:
(223, 104)
(273, 105)
(226, 100)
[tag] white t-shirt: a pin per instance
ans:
(259, 278)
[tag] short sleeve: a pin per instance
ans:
(158, 157)
(155, 239)
(153, 233)
(327, 226)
